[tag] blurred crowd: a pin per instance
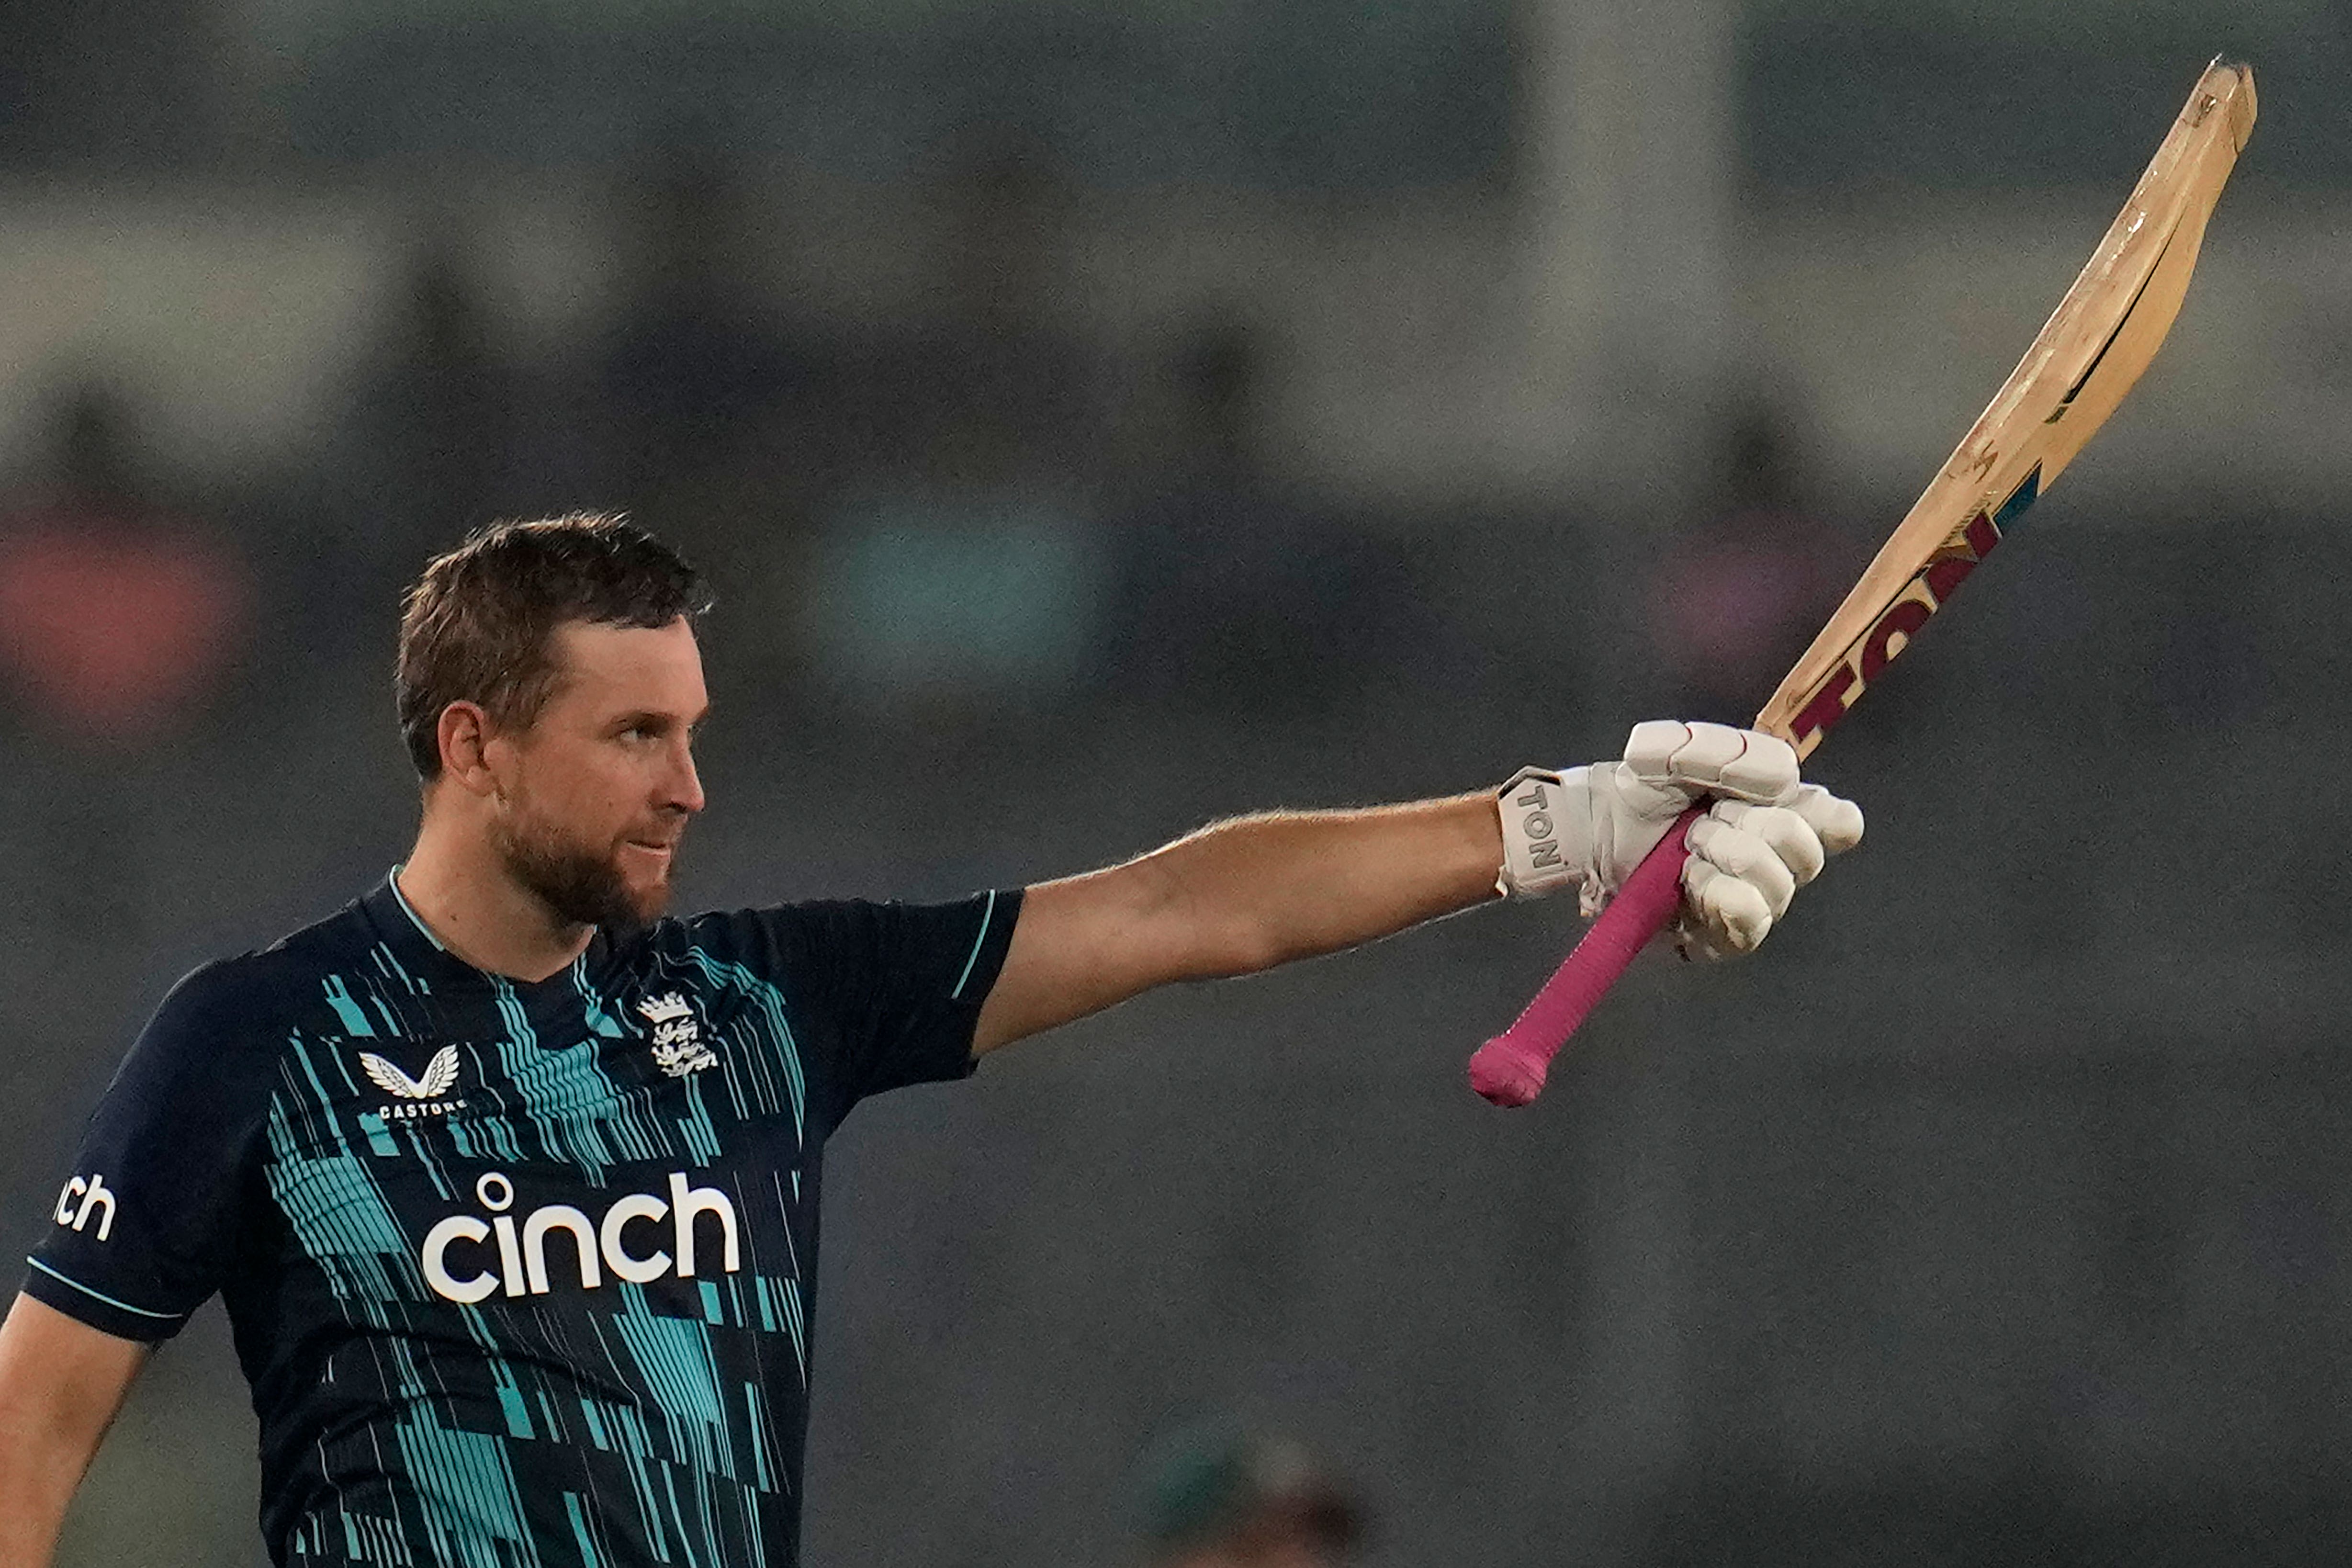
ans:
(951, 510)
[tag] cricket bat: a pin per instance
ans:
(2093, 347)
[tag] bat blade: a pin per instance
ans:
(2104, 333)
(2091, 352)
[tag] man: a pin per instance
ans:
(511, 1183)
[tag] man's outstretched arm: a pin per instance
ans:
(1257, 891)
(1234, 899)
(61, 1383)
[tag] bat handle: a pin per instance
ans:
(1509, 1070)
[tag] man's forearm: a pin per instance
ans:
(39, 1475)
(60, 1386)
(1270, 889)
(32, 1504)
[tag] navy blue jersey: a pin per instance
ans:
(519, 1273)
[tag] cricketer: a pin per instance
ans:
(508, 1179)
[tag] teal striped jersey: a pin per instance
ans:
(519, 1272)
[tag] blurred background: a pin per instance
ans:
(1096, 418)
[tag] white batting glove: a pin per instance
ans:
(1767, 835)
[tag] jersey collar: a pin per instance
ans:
(414, 948)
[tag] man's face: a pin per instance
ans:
(594, 795)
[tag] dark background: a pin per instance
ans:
(1096, 419)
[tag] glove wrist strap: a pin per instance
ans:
(1536, 860)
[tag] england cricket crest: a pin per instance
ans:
(678, 1044)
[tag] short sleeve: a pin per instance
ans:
(143, 1232)
(881, 995)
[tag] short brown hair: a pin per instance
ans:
(479, 625)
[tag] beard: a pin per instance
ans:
(580, 883)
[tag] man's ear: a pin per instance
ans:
(465, 740)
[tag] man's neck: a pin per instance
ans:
(478, 912)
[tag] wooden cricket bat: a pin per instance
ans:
(2088, 355)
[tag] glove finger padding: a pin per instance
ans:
(1837, 822)
(1746, 863)
(1795, 841)
(1723, 913)
(1699, 758)
(1742, 853)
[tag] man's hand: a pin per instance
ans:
(1767, 835)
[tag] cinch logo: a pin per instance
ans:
(597, 1247)
(80, 1200)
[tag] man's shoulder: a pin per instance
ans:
(211, 1049)
(756, 930)
(265, 992)
(767, 942)
(823, 932)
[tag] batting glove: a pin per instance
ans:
(1767, 835)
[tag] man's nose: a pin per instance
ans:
(682, 788)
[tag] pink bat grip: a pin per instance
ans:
(1510, 1069)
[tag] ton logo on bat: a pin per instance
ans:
(1869, 658)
